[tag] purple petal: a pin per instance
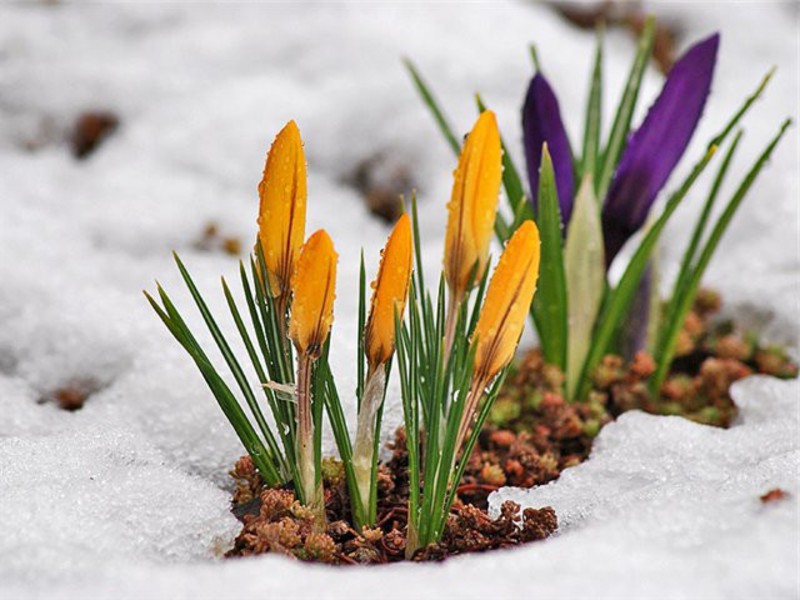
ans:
(657, 146)
(541, 122)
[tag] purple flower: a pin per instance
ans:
(649, 157)
(657, 146)
(541, 122)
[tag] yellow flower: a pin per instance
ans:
(389, 295)
(282, 210)
(508, 300)
(473, 205)
(313, 288)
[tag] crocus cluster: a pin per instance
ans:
(449, 370)
(590, 203)
(648, 159)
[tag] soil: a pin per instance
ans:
(532, 434)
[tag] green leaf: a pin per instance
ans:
(227, 353)
(433, 105)
(222, 393)
(685, 271)
(585, 274)
(362, 319)
(591, 131)
(262, 377)
(550, 303)
(688, 293)
(620, 298)
(618, 301)
(627, 104)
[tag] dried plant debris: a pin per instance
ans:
(72, 395)
(381, 184)
(91, 129)
(211, 240)
(774, 495)
(274, 521)
(624, 15)
(531, 436)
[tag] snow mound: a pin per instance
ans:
(663, 508)
(85, 496)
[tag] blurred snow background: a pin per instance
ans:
(126, 496)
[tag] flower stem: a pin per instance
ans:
(364, 447)
(468, 416)
(309, 486)
(451, 320)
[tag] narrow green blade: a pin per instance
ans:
(627, 104)
(550, 302)
(591, 131)
(690, 290)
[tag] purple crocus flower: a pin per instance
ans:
(541, 122)
(649, 157)
(657, 146)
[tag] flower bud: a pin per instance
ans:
(313, 288)
(389, 294)
(508, 300)
(473, 205)
(282, 210)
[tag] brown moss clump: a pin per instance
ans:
(533, 434)
(471, 529)
(273, 520)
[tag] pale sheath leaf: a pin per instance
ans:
(584, 263)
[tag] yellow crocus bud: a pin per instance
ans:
(508, 300)
(282, 210)
(473, 205)
(390, 291)
(313, 288)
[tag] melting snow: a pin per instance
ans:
(127, 497)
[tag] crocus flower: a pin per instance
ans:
(389, 294)
(388, 301)
(502, 316)
(473, 205)
(313, 288)
(657, 146)
(649, 157)
(282, 210)
(541, 122)
(507, 302)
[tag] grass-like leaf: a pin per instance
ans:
(550, 304)
(222, 393)
(433, 105)
(622, 119)
(618, 301)
(228, 355)
(594, 106)
(687, 294)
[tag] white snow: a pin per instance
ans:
(127, 497)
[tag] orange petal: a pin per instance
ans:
(282, 211)
(473, 204)
(313, 289)
(390, 293)
(508, 300)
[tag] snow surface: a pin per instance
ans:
(127, 497)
